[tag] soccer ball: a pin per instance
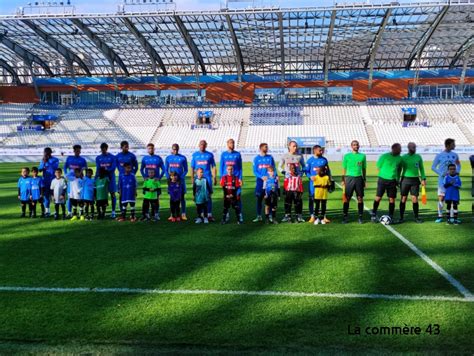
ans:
(385, 220)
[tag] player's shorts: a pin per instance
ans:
(40, 200)
(211, 184)
(131, 202)
(113, 184)
(25, 201)
(271, 200)
(103, 202)
(74, 202)
(259, 191)
(47, 189)
(86, 201)
(410, 185)
(441, 190)
(354, 184)
(387, 186)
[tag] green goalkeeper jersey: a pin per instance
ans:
(389, 166)
(354, 164)
(153, 184)
(412, 165)
(102, 188)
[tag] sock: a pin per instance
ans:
(80, 211)
(402, 209)
(132, 212)
(74, 211)
(360, 207)
(416, 209)
(311, 206)
(209, 207)
(345, 208)
(114, 203)
(391, 209)
(183, 205)
(440, 209)
(23, 209)
(376, 207)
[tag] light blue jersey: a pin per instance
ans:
(442, 162)
(88, 189)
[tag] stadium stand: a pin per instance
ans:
(373, 125)
(336, 135)
(388, 133)
(12, 115)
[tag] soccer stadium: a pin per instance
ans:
(251, 178)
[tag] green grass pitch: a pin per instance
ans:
(352, 259)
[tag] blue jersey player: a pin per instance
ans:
(205, 160)
(47, 167)
(231, 157)
(152, 161)
(440, 166)
(313, 166)
(261, 163)
(126, 157)
(128, 192)
(88, 194)
(73, 162)
(24, 191)
(177, 163)
(37, 191)
(452, 185)
(108, 162)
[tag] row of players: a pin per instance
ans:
(394, 170)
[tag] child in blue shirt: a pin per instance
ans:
(271, 186)
(37, 191)
(24, 191)
(452, 184)
(175, 191)
(128, 192)
(87, 195)
(201, 194)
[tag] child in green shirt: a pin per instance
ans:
(151, 194)
(102, 193)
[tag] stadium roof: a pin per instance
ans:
(395, 36)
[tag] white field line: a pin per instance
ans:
(234, 293)
(453, 281)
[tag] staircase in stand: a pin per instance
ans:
(369, 128)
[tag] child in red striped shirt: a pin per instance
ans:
(293, 190)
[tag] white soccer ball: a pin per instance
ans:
(385, 220)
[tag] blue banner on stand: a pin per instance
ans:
(304, 142)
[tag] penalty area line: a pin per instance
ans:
(394, 297)
(453, 281)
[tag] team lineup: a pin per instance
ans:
(86, 195)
